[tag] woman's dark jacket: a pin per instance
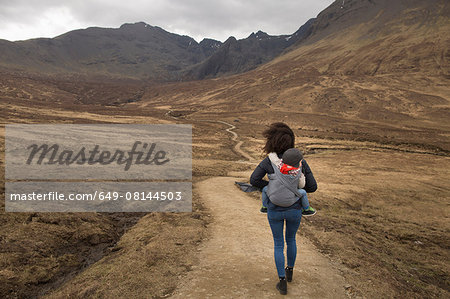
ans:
(265, 167)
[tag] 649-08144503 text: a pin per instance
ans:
(102, 196)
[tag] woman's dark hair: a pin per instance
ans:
(279, 138)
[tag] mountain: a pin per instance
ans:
(237, 56)
(143, 51)
(380, 36)
(367, 20)
(135, 50)
(374, 68)
(210, 46)
(140, 50)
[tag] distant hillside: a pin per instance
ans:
(376, 64)
(147, 52)
(141, 51)
(379, 36)
(237, 56)
(136, 50)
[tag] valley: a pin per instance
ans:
(365, 90)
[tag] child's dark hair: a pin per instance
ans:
(279, 138)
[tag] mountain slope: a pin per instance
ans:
(137, 50)
(387, 73)
(237, 56)
(381, 36)
(141, 51)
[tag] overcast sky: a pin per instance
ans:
(218, 19)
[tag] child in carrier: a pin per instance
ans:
(287, 185)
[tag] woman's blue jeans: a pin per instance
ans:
(277, 219)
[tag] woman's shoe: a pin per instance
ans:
(289, 272)
(282, 286)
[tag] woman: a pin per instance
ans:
(279, 138)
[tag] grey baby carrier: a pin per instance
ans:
(283, 188)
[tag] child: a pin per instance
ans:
(289, 164)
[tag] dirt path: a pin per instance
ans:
(237, 147)
(237, 260)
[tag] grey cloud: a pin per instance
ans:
(198, 18)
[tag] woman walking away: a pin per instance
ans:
(279, 139)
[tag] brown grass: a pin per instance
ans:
(147, 262)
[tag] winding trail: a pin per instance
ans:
(237, 147)
(236, 260)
